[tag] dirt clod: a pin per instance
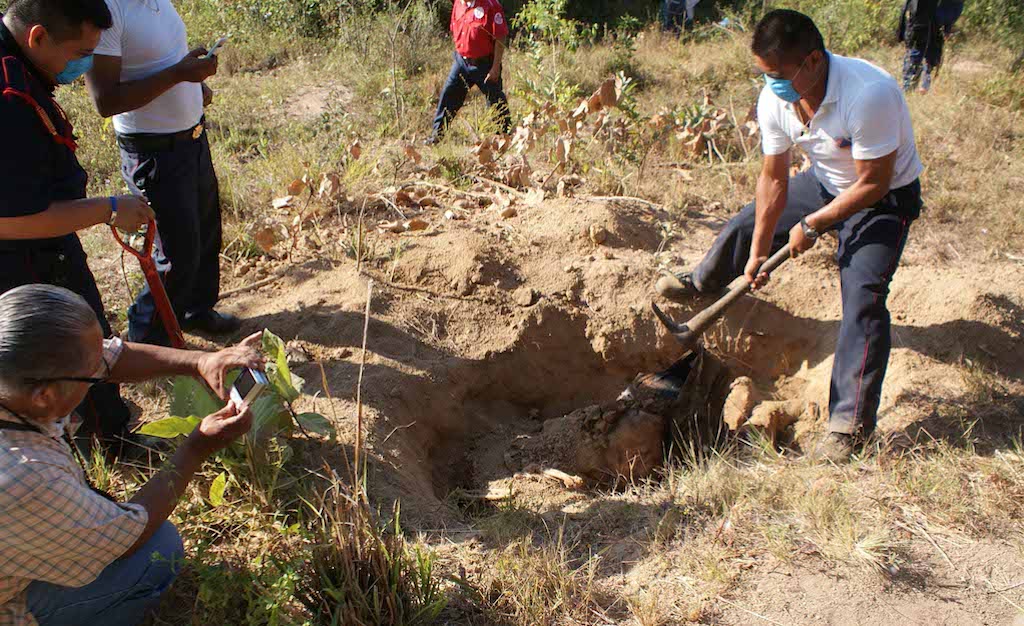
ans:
(524, 296)
(740, 402)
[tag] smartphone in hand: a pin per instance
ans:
(215, 48)
(249, 385)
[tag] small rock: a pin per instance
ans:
(509, 212)
(242, 269)
(598, 234)
(451, 215)
(524, 296)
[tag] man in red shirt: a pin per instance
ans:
(480, 33)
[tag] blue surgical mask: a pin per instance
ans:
(782, 88)
(73, 70)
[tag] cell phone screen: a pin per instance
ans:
(245, 383)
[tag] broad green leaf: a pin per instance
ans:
(170, 427)
(316, 423)
(269, 416)
(191, 397)
(281, 378)
(220, 483)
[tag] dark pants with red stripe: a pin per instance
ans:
(63, 263)
(178, 179)
(870, 245)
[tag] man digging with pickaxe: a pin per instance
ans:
(851, 119)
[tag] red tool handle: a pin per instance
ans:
(156, 286)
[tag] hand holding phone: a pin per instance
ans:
(249, 385)
(215, 48)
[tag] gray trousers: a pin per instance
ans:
(870, 245)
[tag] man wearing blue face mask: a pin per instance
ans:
(851, 119)
(44, 43)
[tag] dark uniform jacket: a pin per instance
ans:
(37, 168)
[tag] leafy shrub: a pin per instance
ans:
(545, 21)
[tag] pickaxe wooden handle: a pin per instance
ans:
(156, 285)
(689, 334)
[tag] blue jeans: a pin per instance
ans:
(123, 592)
(181, 185)
(461, 77)
(870, 245)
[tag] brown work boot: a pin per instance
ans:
(677, 287)
(835, 448)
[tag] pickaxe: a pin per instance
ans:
(156, 286)
(689, 334)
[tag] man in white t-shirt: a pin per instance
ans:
(146, 78)
(851, 119)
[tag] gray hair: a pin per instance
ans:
(41, 330)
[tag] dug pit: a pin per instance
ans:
(468, 387)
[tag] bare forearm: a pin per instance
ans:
(132, 95)
(160, 495)
(62, 218)
(861, 195)
(139, 362)
(499, 52)
(771, 202)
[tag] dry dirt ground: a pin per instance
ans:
(494, 341)
(484, 331)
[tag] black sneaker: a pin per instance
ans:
(432, 140)
(212, 322)
(677, 287)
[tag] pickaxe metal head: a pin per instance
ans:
(686, 338)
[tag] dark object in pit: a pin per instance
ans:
(675, 412)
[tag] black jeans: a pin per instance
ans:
(181, 185)
(461, 77)
(870, 245)
(63, 263)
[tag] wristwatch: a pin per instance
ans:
(809, 232)
(113, 211)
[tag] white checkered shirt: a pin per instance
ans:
(53, 527)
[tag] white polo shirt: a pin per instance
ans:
(150, 37)
(864, 116)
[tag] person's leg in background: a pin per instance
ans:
(933, 57)
(123, 593)
(199, 312)
(104, 412)
(169, 179)
(672, 15)
(870, 246)
(495, 94)
(917, 35)
(730, 251)
(691, 11)
(453, 96)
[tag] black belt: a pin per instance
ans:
(147, 142)
(478, 62)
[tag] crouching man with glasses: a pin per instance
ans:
(69, 553)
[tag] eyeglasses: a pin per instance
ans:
(92, 380)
